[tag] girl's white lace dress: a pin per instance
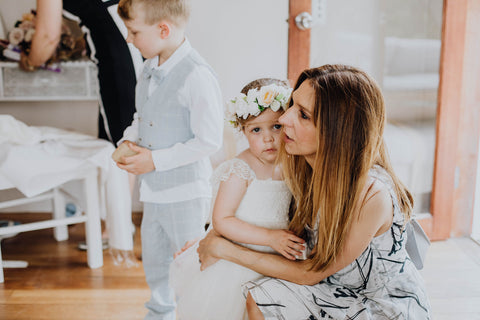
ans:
(216, 293)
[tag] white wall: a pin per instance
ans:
(12, 11)
(242, 40)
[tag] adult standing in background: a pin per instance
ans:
(116, 61)
(118, 64)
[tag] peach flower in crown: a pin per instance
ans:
(255, 101)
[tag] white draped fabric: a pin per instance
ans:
(37, 159)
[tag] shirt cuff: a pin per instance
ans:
(162, 159)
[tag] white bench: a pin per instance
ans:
(88, 174)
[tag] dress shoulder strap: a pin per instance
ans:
(234, 166)
(380, 174)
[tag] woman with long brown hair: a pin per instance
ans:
(349, 207)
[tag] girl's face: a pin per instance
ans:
(298, 124)
(263, 134)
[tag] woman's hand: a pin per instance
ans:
(286, 243)
(210, 248)
(25, 64)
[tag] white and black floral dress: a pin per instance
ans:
(382, 283)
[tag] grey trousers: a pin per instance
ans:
(165, 229)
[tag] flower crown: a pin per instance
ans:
(255, 101)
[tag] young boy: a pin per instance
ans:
(178, 125)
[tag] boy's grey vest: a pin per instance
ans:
(164, 120)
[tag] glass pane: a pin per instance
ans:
(398, 43)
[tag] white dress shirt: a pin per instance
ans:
(202, 93)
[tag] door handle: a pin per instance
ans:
(304, 21)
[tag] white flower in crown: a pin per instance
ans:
(252, 109)
(267, 95)
(230, 112)
(257, 100)
(242, 107)
(252, 96)
(275, 105)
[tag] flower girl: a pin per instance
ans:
(251, 207)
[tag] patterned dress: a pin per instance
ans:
(382, 283)
(216, 292)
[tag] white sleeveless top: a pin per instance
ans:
(266, 202)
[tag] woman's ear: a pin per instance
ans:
(165, 29)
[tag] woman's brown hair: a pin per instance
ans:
(349, 116)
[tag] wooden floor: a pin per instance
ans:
(58, 285)
(452, 277)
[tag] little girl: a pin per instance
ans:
(251, 208)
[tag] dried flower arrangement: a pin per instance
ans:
(72, 45)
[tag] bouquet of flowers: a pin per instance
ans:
(72, 44)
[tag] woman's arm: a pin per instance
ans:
(373, 219)
(229, 197)
(47, 33)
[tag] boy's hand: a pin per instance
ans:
(123, 150)
(286, 243)
(139, 163)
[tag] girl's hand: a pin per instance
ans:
(210, 248)
(139, 163)
(286, 243)
(187, 245)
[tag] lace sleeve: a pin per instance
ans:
(234, 166)
(223, 172)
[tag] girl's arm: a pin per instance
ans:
(374, 218)
(229, 196)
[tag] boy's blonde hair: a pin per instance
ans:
(175, 11)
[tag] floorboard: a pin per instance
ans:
(57, 284)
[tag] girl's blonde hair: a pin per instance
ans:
(175, 11)
(349, 116)
(257, 84)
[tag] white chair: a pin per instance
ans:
(88, 174)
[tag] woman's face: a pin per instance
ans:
(298, 124)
